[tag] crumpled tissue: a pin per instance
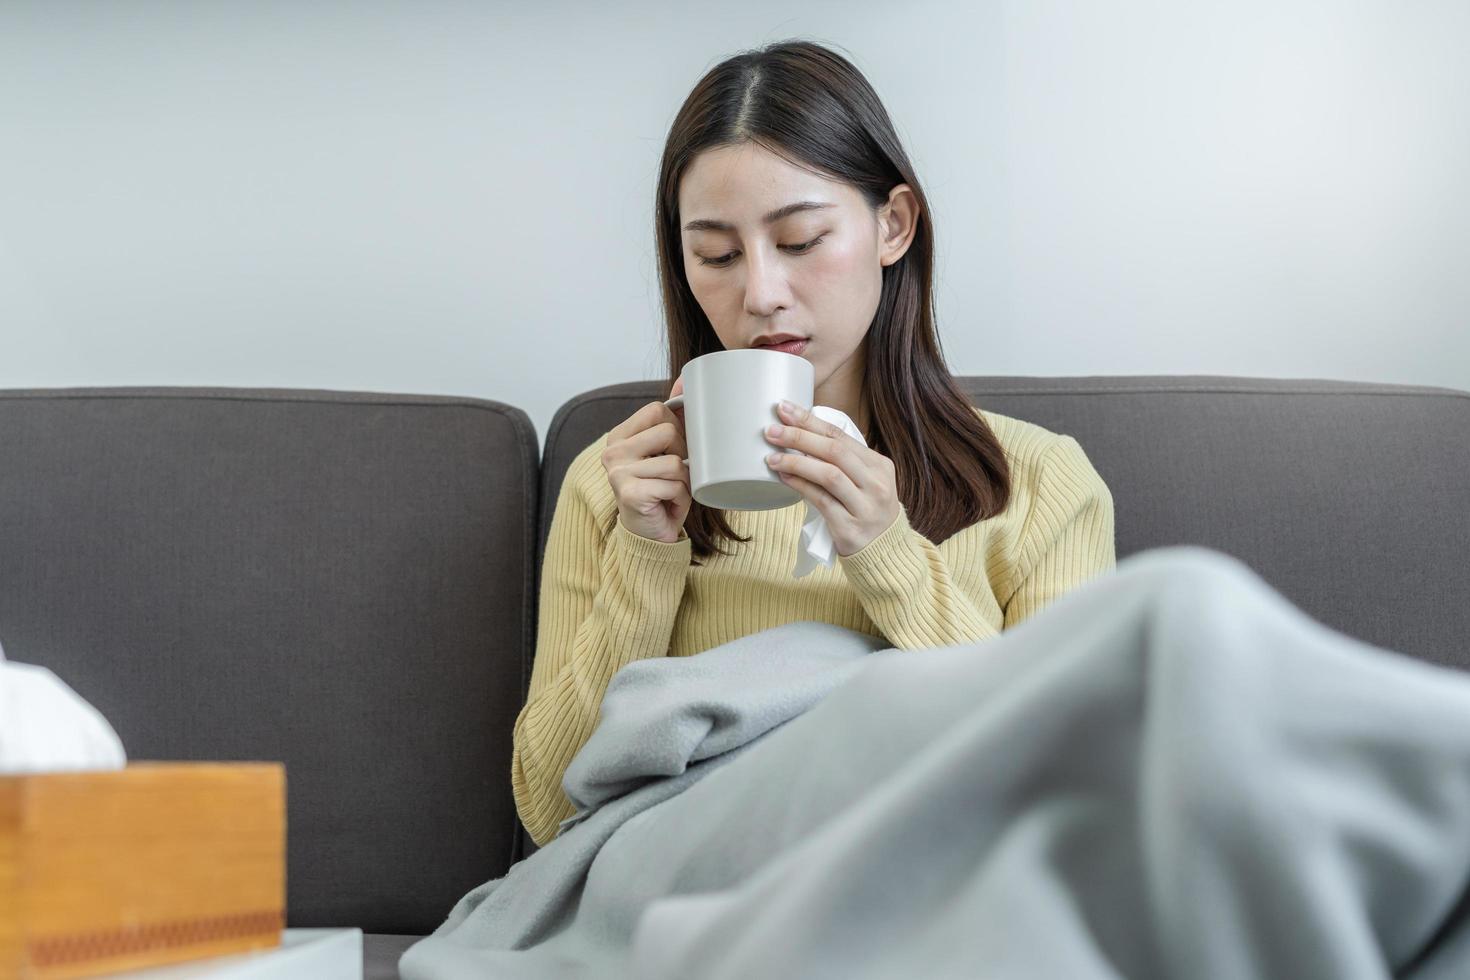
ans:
(45, 726)
(816, 545)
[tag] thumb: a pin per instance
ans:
(678, 386)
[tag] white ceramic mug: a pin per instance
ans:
(729, 398)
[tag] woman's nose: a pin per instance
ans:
(765, 286)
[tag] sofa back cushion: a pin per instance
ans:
(340, 582)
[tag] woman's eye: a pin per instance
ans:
(724, 260)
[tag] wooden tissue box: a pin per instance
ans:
(157, 862)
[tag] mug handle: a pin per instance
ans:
(676, 402)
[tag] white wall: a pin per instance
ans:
(456, 197)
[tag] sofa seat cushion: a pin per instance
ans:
(380, 953)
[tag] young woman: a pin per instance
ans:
(787, 209)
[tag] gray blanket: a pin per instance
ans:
(1169, 772)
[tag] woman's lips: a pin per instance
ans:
(787, 347)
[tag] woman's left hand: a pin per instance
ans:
(853, 487)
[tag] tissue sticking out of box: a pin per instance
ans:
(45, 726)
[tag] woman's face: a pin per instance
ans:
(813, 272)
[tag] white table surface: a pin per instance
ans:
(304, 954)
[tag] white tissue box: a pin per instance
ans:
(157, 862)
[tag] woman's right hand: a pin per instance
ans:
(644, 460)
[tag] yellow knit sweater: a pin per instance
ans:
(610, 596)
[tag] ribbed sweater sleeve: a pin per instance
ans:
(1067, 536)
(909, 591)
(608, 597)
(907, 588)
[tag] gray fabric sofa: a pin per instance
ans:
(346, 582)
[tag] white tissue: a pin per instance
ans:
(45, 726)
(816, 545)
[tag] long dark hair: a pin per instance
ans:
(814, 108)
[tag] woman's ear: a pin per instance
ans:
(897, 221)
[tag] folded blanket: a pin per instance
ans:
(662, 715)
(665, 724)
(1169, 772)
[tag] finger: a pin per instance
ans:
(820, 473)
(669, 489)
(866, 466)
(680, 445)
(847, 456)
(827, 505)
(668, 437)
(806, 419)
(667, 466)
(677, 411)
(656, 440)
(640, 420)
(807, 441)
(678, 416)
